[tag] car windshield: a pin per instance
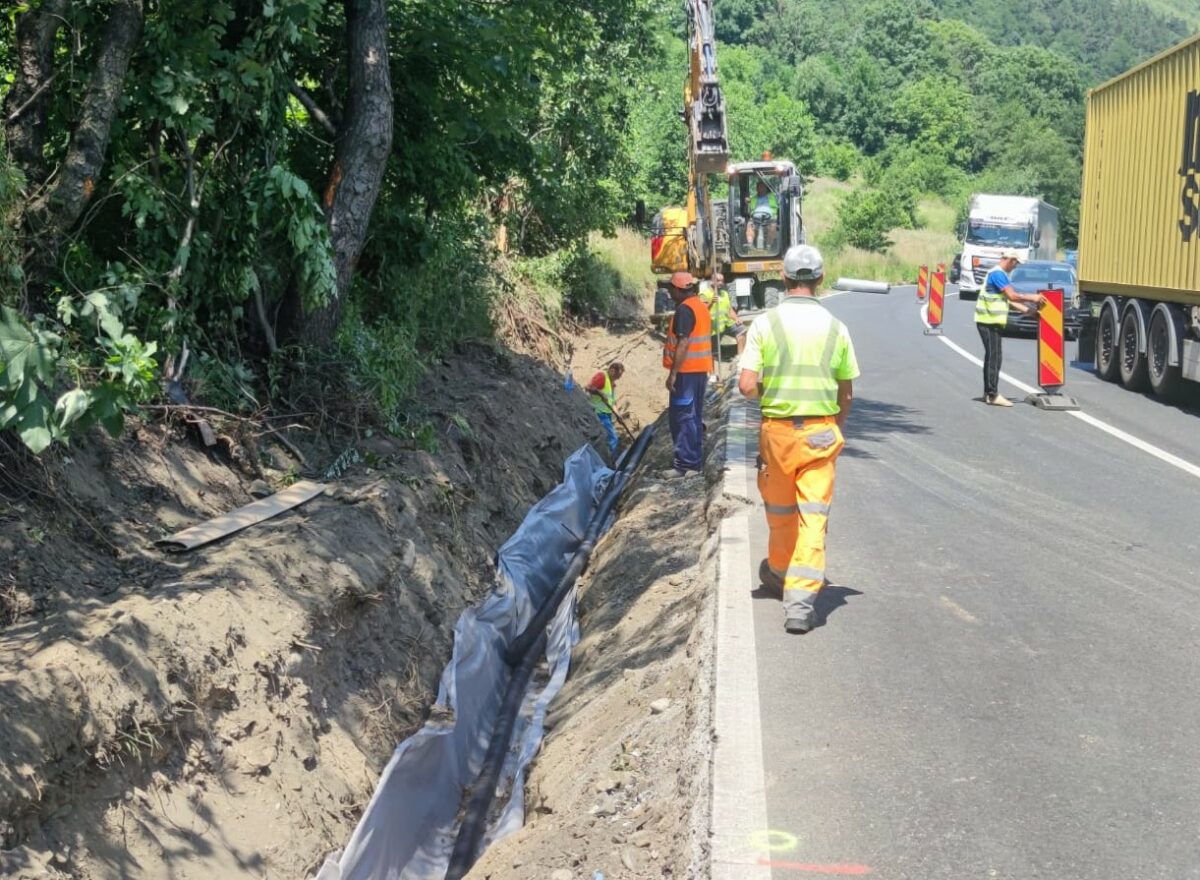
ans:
(991, 235)
(1059, 276)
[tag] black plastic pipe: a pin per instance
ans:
(523, 654)
(628, 464)
(474, 823)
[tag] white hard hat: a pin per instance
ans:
(803, 263)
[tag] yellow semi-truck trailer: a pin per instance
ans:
(1139, 228)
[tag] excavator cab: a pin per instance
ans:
(764, 221)
(764, 203)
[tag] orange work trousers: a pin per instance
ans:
(795, 478)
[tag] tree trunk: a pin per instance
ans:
(363, 145)
(26, 102)
(54, 213)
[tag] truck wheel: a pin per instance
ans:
(1106, 346)
(1164, 378)
(768, 293)
(1132, 362)
(662, 301)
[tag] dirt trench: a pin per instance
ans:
(621, 787)
(226, 713)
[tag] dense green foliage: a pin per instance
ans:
(912, 99)
(205, 222)
(206, 225)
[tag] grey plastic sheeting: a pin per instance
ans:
(408, 829)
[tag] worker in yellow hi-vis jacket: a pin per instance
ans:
(799, 362)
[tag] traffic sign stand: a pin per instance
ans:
(937, 301)
(1051, 374)
(1050, 400)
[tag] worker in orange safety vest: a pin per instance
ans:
(687, 356)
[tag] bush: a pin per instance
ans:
(11, 185)
(383, 363)
(433, 288)
(837, 159)
(865, 217)
(576, 279)
(591, 284)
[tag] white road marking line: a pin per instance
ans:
(1113, 431)
(739, 799)
(1139, 443)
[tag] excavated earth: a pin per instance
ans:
(621, 786)
(226, 712)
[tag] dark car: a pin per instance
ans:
(1045, 275)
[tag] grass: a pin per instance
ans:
(628, 254)
(821, 199)
(933, 243)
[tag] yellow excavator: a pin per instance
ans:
(745, 234)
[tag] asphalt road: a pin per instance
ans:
(1007, 680)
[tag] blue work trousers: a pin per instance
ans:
(610, 431)
(686, 415)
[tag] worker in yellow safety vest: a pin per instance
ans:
(763, 211)
(603, 395)
(799, 362)
(991, 314)
(687, 355)
(725, 321)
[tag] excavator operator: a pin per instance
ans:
(762, 220)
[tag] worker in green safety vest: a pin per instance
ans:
(800, 365)
(764, 212)
(991, 314)
(725, 320)
(604, 399)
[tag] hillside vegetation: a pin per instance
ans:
(910, 99)
(244, 189)
(302, 201)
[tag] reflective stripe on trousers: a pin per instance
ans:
(795, 480)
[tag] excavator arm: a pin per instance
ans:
(683, 238)
(708, 138)
(704, 105)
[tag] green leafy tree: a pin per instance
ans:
(867, 109)
(935, 114)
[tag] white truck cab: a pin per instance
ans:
(999, 223)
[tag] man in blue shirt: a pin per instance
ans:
(764, 212)
(991, 314)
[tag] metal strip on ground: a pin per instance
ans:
(251, 514)
(739, 804)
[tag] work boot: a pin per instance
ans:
(769, 579)
(1000, 400)
(799, 625)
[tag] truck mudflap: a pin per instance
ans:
(1086, 341)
